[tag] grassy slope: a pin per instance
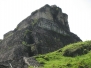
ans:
(76, 55)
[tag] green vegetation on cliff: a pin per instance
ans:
(77, 55)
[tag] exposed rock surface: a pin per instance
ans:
(45, 30)
(31, 61)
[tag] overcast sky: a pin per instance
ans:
(79, 14)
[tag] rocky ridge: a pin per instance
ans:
(45, 30)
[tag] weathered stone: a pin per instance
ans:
(45, 30)
(31, 61)
(10, 33)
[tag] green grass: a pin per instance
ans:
(77, 55)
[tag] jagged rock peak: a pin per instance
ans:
(53, 14)
(47, 12)
(45, 30)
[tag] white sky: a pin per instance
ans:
(12, 12)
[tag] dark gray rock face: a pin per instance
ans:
(45, 30)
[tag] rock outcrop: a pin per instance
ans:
(45, 30)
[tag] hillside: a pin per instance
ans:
(45, 30)
(77, 55)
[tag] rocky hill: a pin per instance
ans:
(45, 30)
